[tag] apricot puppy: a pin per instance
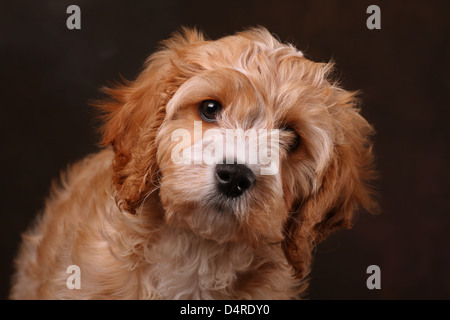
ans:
(168, 210)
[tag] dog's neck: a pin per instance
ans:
(186, 266)
(177, 263)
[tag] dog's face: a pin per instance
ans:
(244, 140)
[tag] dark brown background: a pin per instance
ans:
(49, 73)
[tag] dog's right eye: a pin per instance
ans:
(209, 109)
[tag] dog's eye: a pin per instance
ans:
(209, 109)
(294, 141)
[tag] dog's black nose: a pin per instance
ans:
(234, 179)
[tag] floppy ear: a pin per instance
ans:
(132, 115)
(344, 186)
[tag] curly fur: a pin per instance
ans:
(141, 227)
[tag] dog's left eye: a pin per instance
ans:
(209, 109)
(295, 139)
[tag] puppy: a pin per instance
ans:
(151, 217)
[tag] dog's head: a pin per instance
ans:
(243, 139)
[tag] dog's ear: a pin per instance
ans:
(132, 115)
(344, 185)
